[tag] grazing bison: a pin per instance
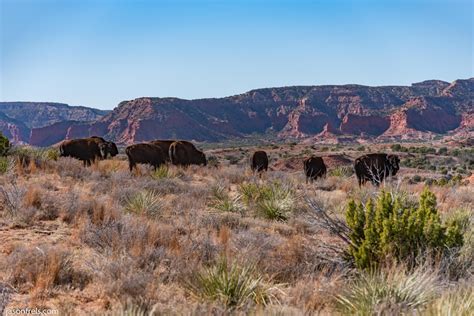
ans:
(109, 148)
(86, 150)
(164, 145)
(376, 167)
(145, 153)
(259, 161)
(183, 153)
(314, 168)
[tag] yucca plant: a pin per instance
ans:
(390, 292)
(231, 285)
(276, 202)
(342, 171)
(161, 172)
(222, 201)
(145, 203)
(249, 191)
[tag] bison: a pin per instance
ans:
(259, 161)
(183, 153)
(314, 168)
(164, 145)
(109, 148)
(86, 149)
(376, 167)
(145, 153)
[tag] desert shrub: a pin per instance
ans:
(4, 145)
(391, 228)
(34, 153)
(342, 171)
(388, 293)
(458, 301)
(442, 151)
(11, 197)
(4, 164)
(50, 154)
(42, 268)
(416, 178)
(222, 201)
(145, 203)
(212, 161)
(231, 285)
(396, 147)
(233, 160)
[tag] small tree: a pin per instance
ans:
(4, 145)
(390, 229)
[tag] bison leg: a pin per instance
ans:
(131, 164)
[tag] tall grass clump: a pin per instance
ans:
(391, 228)
(342, 171)
(231, 285)
(222, 201)
(392, 292)
(459, 302)
(275, 201)
(144, 203)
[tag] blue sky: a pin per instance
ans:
(98, 53)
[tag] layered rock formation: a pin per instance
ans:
(344, 112)
(19, 119)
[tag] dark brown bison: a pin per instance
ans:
(314, 167)
(164, 144)
(145, 153)
(259, 161)
(376, 167)
(85, 149)
(183, 153)
(109, 148)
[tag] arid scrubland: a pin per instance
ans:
(218, 239)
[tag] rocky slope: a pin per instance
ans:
(17, 119)
(344, 112)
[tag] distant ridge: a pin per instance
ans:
(422, 110)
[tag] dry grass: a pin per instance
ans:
(104, 240)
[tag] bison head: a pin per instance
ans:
(112, 149)
(108, 148)
(393, 164)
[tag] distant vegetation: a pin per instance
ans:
(4, 145)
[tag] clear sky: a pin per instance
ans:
(98, 53)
